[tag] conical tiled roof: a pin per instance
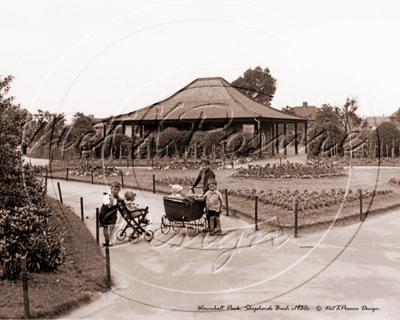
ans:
(207, 98)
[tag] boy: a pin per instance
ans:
(205, 174)
(109, 211)
(214, 203)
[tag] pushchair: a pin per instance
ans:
(137, 221)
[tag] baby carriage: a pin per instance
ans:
(137, 221)
(183, 213)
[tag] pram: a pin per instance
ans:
(183, 213)
(135, 219)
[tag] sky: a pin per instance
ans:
(111, 57)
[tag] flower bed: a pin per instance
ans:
(176, 180)
(306, 200)
(394, 180)
(219, 164)
(288, 170)
(366, 161)
(98, 171)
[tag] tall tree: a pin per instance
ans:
(257, 84)
(79, 133)
(348, 115)
(49, 129)
(328, 114)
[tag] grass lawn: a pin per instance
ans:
(366, 179)
(52, 293)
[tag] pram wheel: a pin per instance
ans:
(202, 224)
(176, 225)
(149, 235)
(134, 237)
(121, 234)
(191, 229)
(165, 225)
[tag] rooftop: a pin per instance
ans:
(207, 98)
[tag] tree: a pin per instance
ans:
(348, 115)
(78, 131)
(327, 114)
(257, 84)
(50, 128)
(397, 115)
(289, 110)
(387, 134)
(364, 124)
(326, 135)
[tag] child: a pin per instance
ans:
(109, 211)
(130, 197)
(214, 203)
(175, 191)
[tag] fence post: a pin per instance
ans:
(361, 212)
(59, 191)
(82, 209)
(108, 266)
(97, 227)
(256, 213)
(295, 219)
(154, 183)
(92, 175)
(67, 174)
(226, 201)
(45, 180)
(25, 288)
(122, 179)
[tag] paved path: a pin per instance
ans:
(174, 275)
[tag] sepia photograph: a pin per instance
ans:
(199, 159)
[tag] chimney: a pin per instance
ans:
(91, 116)
(305, 105)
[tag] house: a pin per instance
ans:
(306, 111)
(208, 104)
(374, 122)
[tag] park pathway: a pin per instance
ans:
(176, 277)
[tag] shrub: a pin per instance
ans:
(21, 187)
(27, 232)
(25, 229)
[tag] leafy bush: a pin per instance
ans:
(25, 229)
(21, 186)
(27, 232)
